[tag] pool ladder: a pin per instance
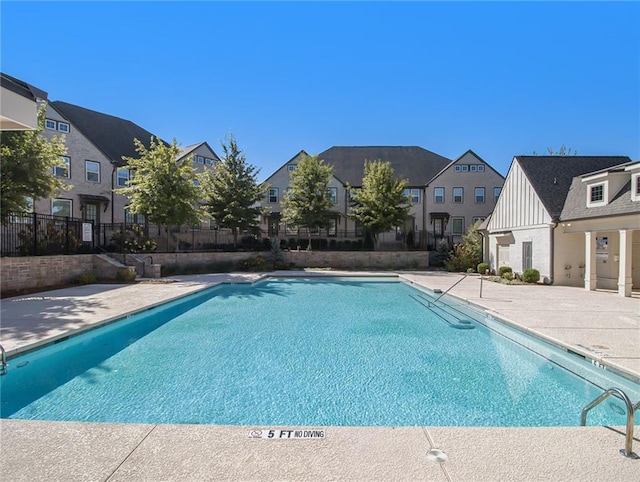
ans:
(627, 451)
(3, 361)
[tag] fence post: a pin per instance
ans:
(35, 234)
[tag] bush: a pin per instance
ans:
(531, 275)
(468, 253)
(504, 269)
(483, 268)
(126, 275)
(85, 279)
(256, 263)
(508, 275)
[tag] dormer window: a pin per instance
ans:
(635, 187)
(596, 195)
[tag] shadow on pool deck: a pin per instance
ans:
(600, 324)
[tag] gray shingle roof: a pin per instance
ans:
(575, 206)
(112, 135)
(22, 88)
(551, 176)
(413, 163)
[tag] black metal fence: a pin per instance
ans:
(32, 234)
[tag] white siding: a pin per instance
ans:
(518, 205)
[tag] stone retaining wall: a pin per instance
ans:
(43, 271)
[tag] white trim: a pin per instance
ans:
(605, 194)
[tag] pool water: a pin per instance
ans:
(306, 352)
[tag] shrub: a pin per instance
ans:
(468, 253)
(504, 269)
(483, 268)
(125, 275)
(531, 275)
(470, 270)
(256, 263)
(508, 275)
(85, 279)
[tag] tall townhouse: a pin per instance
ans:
(93, 165)
(464, 193)
(425, 171)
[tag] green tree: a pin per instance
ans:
(307, 204)
(467, 254)
(27, 160)
(231, 191)
(162, 188)
(380, 204)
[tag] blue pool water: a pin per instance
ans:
(308, 352)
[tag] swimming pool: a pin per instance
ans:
(309, 352)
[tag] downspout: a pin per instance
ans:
(554, 225)
(113, 172)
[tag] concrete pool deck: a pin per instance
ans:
(600, 325)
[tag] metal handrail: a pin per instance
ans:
(461, 323)
(3, 361)
(448, 289)
(627, 451)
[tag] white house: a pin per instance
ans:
(576, 219)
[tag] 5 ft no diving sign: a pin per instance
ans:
(279, 434)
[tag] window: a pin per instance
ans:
(458, 168)
(458, 195)
(496, 193)
(438, 195)
(199, 159)
(61, 207)
(473, 167)
(291, 167)
(635, 184)
(596, 193)
(527, 255)
(273, 195)
(479, 195)
(50, 124)
(207, 161)
(333, 192)
(465, 168)
(132, 218)
(358, 229)
(63, 127)
(92, 171)
(457, 226)
(63, 169)
(480, 167)
(413, 195)
(332, 229)
(123, 177)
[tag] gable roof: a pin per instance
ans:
(575, 207)
(551, 176)
(185, 151)
(469, 151)
(413, 163)
(22, 88)
(112, 135)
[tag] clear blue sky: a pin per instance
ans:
(501, 78)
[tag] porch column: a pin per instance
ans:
(590, 277)
(624, 266)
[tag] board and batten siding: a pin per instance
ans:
(518, 204)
